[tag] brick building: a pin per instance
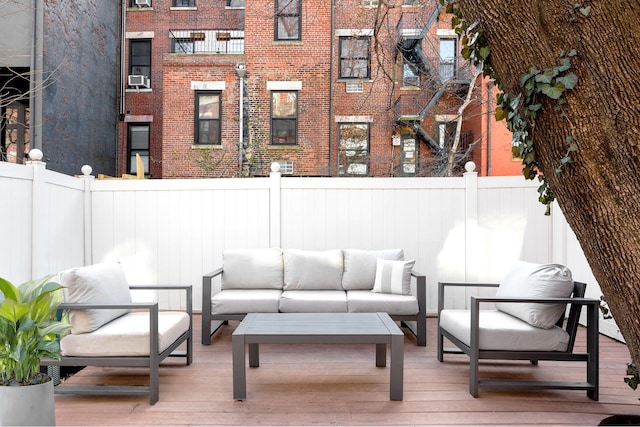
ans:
(325, 87)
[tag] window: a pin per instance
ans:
(140, 58)
(182, 45)
(446, 132)
(409, 152)
(354, 57)
(354, 149)
(448, 58)
(369, 3)
(138, 140)
(184, 3)
(284, 117)
(288, 20)
(235, 3)
(410, 74)
(208, 124)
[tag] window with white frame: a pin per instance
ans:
(288, 19)
(284, 117)
(448, 58)
(355, 57)
(208, 124)
(446, 132)
(354, 149)
(235, 3)
(138, 143)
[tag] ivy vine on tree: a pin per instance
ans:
(521, 110)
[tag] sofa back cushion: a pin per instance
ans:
(529, 280)
(312, 270)
(95, 284)
(360, 267)
(252, 269)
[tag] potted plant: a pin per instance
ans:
(29, 331)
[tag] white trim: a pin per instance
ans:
(354, 32)
(354, 119)
(446, 117)
(446, 32)
(218, 85)
(139, 35)
(284, 85)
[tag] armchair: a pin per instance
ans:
(108, 329)
(523, 327)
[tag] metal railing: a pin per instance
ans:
(206, 41)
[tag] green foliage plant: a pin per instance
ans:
(521, 110)
(29, 330)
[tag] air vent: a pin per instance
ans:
(355, 87)
(286, 167)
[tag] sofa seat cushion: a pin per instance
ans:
(370, 302)
(312, 270)
(103, 283)
(127, 335)
(242, 301)
(501, 331)
(360, 267)
(252, 269)
(313, 302)
(529, 280)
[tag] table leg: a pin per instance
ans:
(397, 367)
(254, 355)
(239, 367)
(381, 355)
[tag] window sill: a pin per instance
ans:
(134, 90)
(206, 146)
(183, 8)
(349, 80)
(283, 147)
(288, 42)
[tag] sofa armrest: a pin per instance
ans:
(421, 292)
(207, 283)
(187, 288)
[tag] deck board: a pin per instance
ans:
(321, 384)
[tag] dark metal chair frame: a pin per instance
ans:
(417, 323)
(570, 325)
(152, 361)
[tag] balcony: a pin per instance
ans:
(206, 41)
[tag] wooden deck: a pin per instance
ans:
(340, 385)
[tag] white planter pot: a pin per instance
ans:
(27, 406)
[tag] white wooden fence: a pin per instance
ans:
(172, 231)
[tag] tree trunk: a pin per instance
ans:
(599, 193)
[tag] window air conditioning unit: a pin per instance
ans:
(138, 81)
(146, 3)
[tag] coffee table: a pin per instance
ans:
(317, 328)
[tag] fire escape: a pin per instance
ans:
(441, 80)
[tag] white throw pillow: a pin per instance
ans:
(312, 270)
(98, 284)
(393, 277)
(529, 280)
(252, 269)
(360, 267)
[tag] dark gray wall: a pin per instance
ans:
(16, 29)
(82, 68)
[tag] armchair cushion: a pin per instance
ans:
(127, 335)
(501, 331)
(312, 270)
(360, 267)
(528, 280)
(98, 284)
(393, 277)
(252, 269)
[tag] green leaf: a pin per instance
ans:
(573, 147)
(566, 160)
(585, 10)
(9, 290)
(500, 114)
(547, 76)
(569, 81)
(535, 107)
(484, 52)
(553, 92)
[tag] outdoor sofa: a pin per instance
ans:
(272, 280)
